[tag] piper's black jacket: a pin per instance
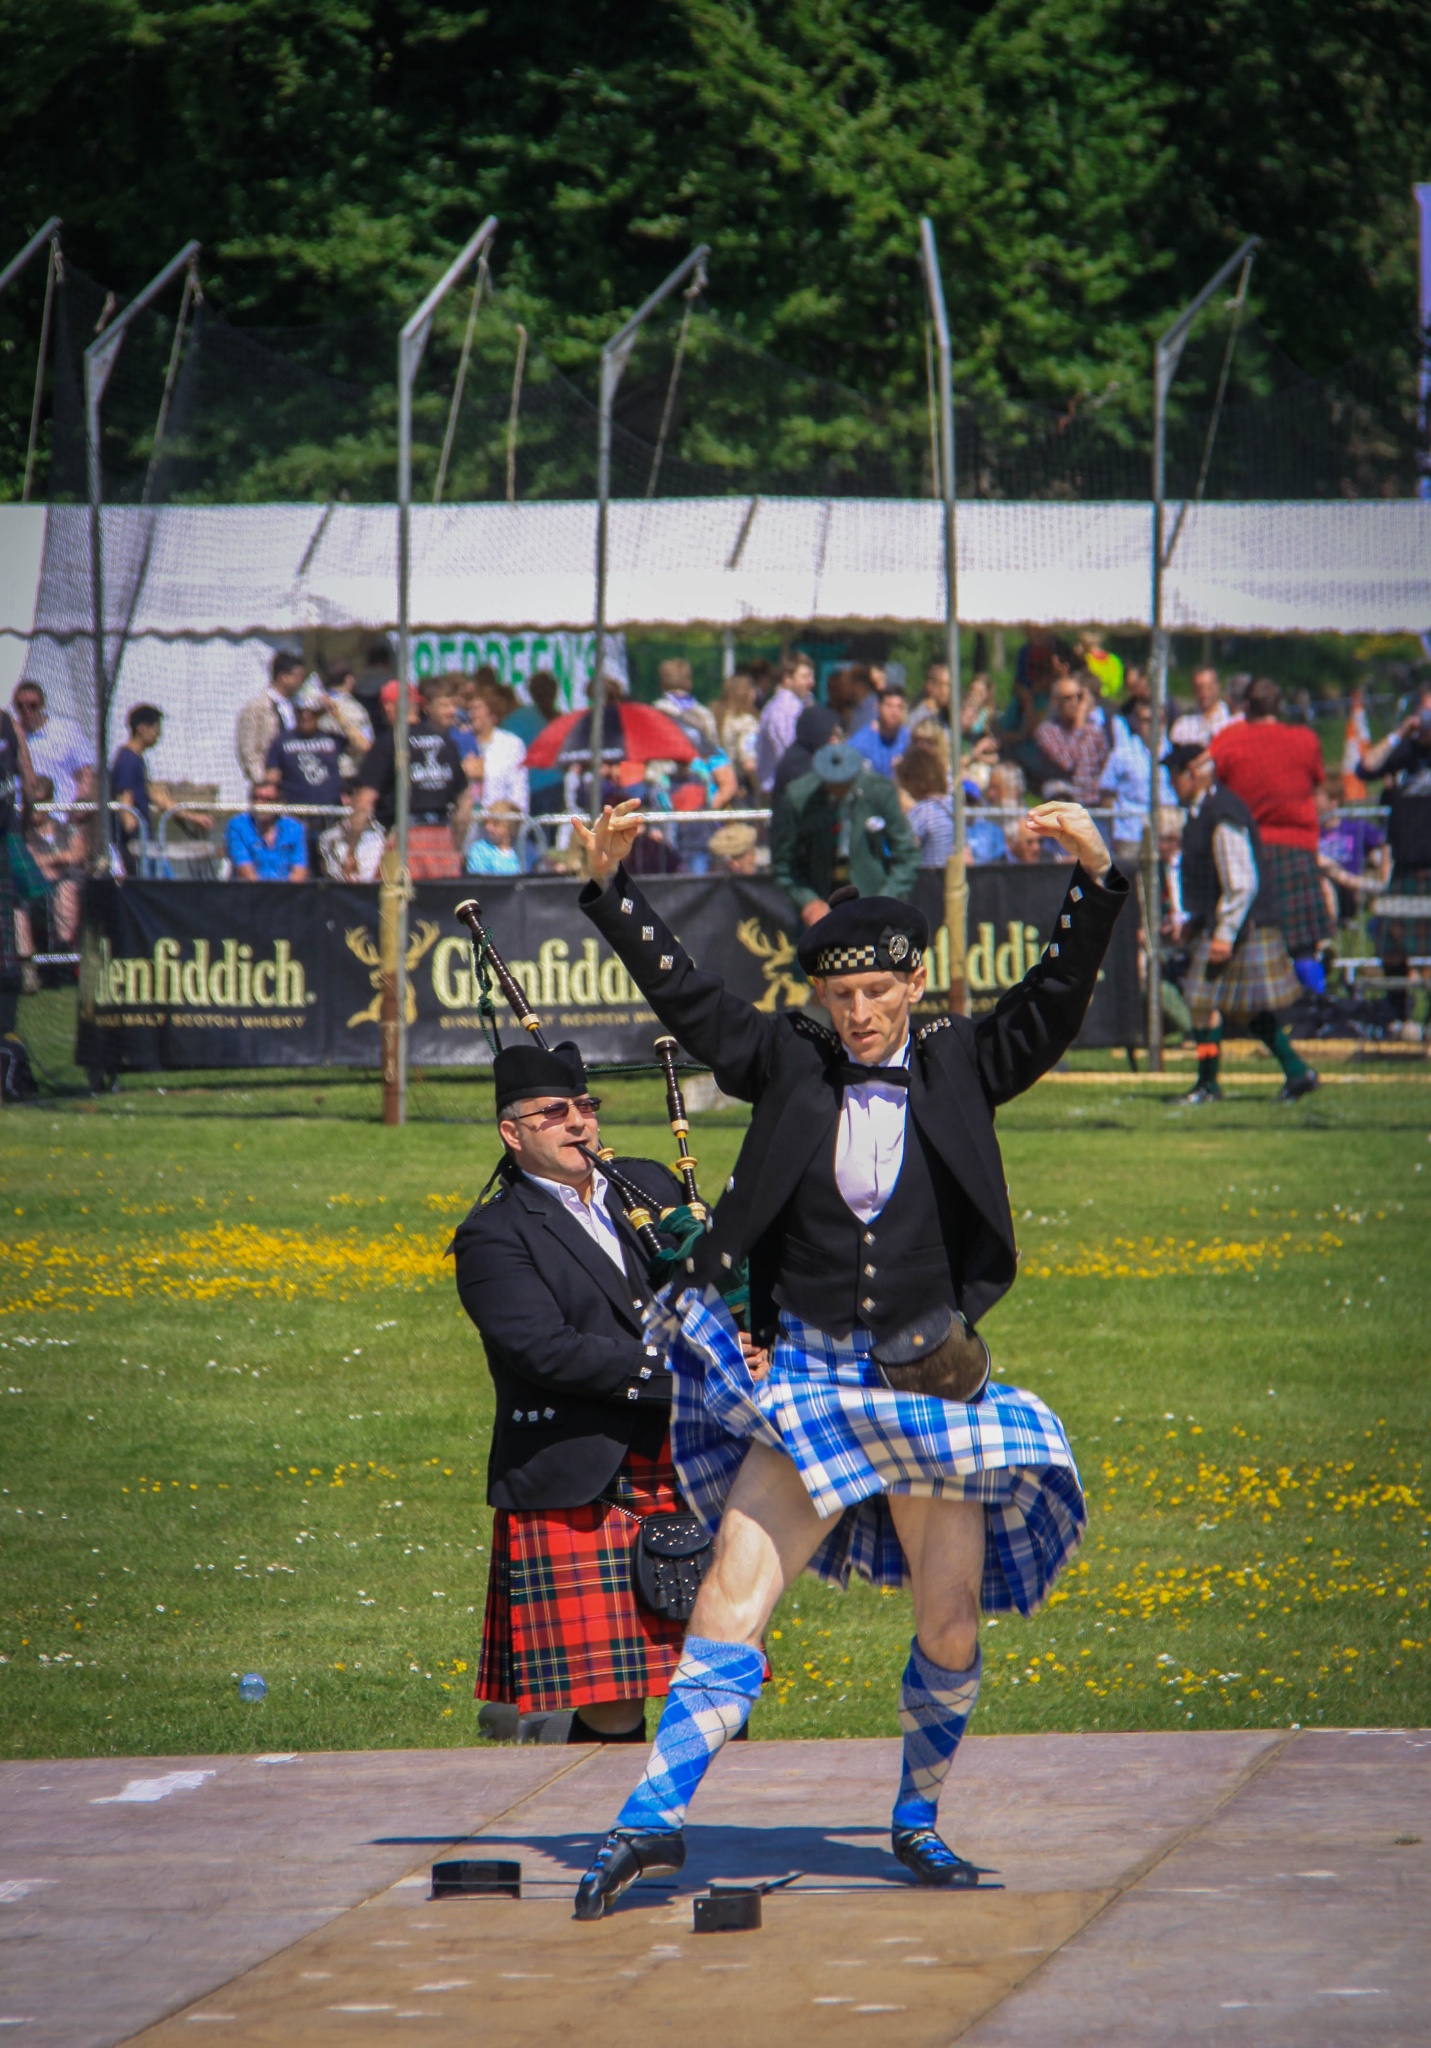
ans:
(576, 1386)
(787, 1066)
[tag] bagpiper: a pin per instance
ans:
(553, 1274)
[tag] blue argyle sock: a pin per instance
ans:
(934, 1710)
(712, 1693)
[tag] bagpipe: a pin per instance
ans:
(667, 1236)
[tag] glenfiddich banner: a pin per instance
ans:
(269, 974)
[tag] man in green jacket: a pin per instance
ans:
(841, 824)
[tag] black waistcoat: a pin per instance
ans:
(1201, 886)
(835, 1271)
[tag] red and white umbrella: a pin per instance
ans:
(629, 732)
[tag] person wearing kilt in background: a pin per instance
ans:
(552, 1274)
(1239, 970)
(869, 1199)
(1277, 771)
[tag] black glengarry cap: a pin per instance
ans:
(523, 1070)
(865, 935)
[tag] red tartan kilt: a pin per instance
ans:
(563, 1626)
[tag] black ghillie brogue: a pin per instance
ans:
(932, 1860)
(622, 1858)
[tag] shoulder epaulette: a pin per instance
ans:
(935, 1024)
(808, 1028)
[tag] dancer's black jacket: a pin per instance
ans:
(789, 1068)
(576, 1385)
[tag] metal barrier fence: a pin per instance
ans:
(543, 844)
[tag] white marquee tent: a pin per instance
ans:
(200, 594)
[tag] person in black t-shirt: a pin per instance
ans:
(306, 763)
(439, 794)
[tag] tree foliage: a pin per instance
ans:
(1086, 163)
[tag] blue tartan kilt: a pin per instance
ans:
(855, 1441)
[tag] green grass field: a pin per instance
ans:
(245, 1422)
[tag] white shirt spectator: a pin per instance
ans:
(777, 733)
(504, 771)
(1198, 728)
(60, 750)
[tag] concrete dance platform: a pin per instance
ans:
(1263, 1889)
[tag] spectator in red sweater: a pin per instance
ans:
(1277, 770)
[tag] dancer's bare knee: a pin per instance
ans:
(951, 1640)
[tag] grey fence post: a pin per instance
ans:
(614, 357)
(99, 361)
(956, 881)
(48, 233)
(1167, 354)
(412, 343)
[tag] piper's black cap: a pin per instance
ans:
(521, 1070)
(865, 935)
(1183, 755)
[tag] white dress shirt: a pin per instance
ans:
(594, 1217)
(869, 1145)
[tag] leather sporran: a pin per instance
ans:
(671, 1557)
(939, 1354)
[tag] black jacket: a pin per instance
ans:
(787, 1066)
(1198, 875)
(562, 1333)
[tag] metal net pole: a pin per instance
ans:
(99, 361)
(615, 355)
(956, 872)
(395, 887)
(1167, 353)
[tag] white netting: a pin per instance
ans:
(196, 596)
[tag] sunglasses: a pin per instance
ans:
(556, 1112)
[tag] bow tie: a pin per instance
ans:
(852, 1075)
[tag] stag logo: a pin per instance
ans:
(786, 990)
(360, 940)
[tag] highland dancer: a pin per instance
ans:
(869, 1199)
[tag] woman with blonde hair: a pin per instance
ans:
(737, 724)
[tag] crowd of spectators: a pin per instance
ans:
(857, 777)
